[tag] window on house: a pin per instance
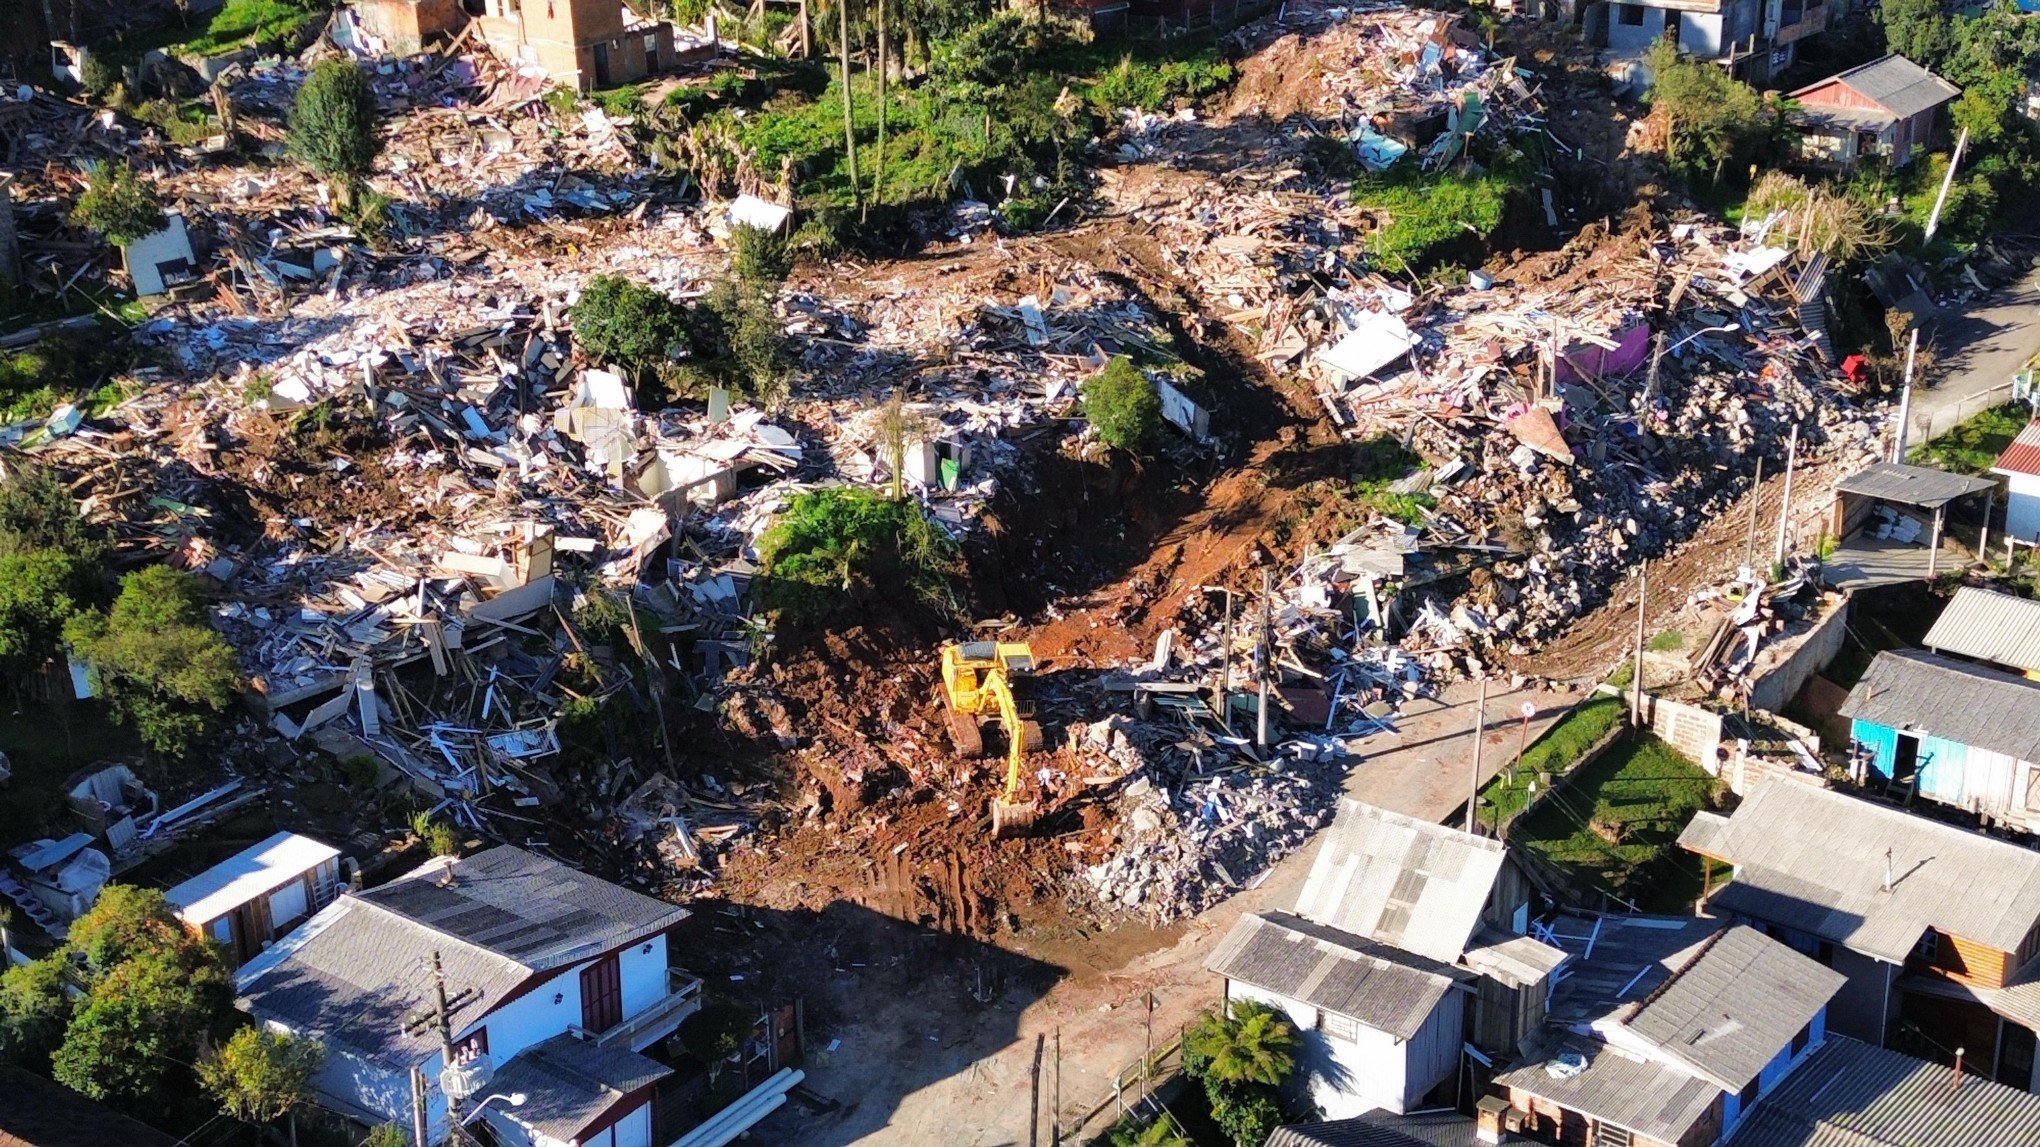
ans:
(1801, 1039)
(1629, 15)
(1338, 1027)
(1929, 946)
(651, 44)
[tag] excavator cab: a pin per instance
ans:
(978, 683)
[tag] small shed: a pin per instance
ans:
(1884, 515)
(2019, 466)
(258, 894)
(1887, 107)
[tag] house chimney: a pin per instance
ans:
(1887, 870)
(1490, 1119)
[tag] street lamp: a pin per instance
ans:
(514, 1099)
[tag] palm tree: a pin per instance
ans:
(1249, 1043)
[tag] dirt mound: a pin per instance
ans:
(1287, 77)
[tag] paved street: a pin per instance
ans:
(1979, 349)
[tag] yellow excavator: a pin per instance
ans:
(977, 681)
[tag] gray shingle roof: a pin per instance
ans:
(1729, 1011)
(1400, 880)
(1989, 627)
(569, 1083)
(532, 909)
(1650, 1099)
(1620, 960)
(1954, 700)
(1380, 1128)
(1385, 989)
(1813, 859)
(353, 972)
(1895, 84)
(1912, 485)
(1849, 1094)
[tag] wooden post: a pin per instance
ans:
(1983, 539)
(807, 48)
(1749, 552)
(1636, 674)
(419, 1100)
(1055, 1117)
(1479, 734)
(1225, 682)
(453, 1129)
(1785, 507)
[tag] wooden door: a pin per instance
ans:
(601, 995)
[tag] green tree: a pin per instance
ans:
(127, 922)
(34, 1010)
(1248, 1112)
(1712, 122)
(40, 591)
(1123, 406)
(715, 1033)
(1248, 1043)
(735, 340)
(759, 258)
(140, 1018)
(332, 124)
(261, 1076)
(387, 1135)
(1993, 55)
(161, 667)
(628, 325)
(1917, 30)
(117, 205)
(38, 513)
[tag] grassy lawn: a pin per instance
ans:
(45, 744)
(1972, 447)
(1555, 752)
(233, 24)
(1616, 827)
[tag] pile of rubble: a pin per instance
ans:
(1195, 824)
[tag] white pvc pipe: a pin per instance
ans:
(745, 1113)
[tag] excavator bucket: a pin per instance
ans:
(1013, 818)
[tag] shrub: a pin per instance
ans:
(735, 340)
(1123, 406)
(99, 75)
(759, 257)
(628, 325)
(332, 123)
(117, 205)
(840, 545)
(1713, 123)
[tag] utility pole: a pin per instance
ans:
(1055, 1118)
(1636, 684)
(1267, 658)
(1912, 348)
(419, 1099)
(1785, 508)
(1947, 180)
(1479, 734)
(849, 124)
(453, 1135)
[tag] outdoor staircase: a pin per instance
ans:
(34, 909)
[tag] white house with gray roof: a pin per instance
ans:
(556, 981)
(1936, 928)
(1404, 948)
(1684, 1050)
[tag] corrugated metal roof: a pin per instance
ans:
(1849, 1094)
(1813, 859)
(1989, 626)
(246, 875)
(570, 1083)
(1517, 961)
(1620, 960)
(1650, 1099)
(1734, 1006)
(1894, 83)
(1912, 485)
(1400, 880)
(1380, 1128)
(1953, 700)
(1382, 988)
(2023, 455)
